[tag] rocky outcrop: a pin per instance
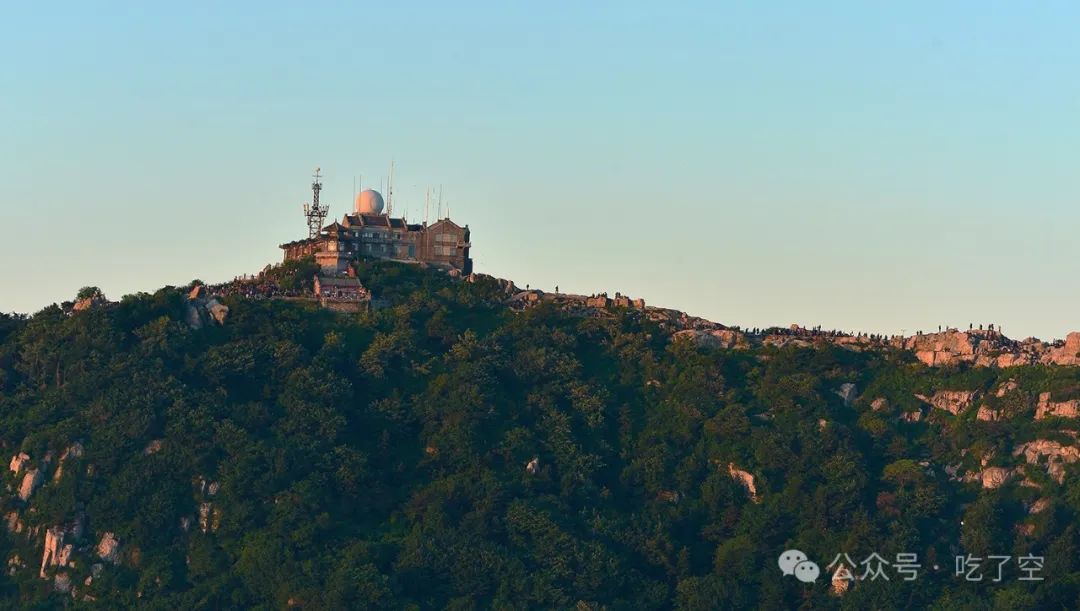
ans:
(879, 404)
(993, 477)
(217, 311)
(209, 518)
(72, 452)
(1060, 409)
(18, 462)
(506, 286)
(847, 393)
(1066, 354)
(938, 349)
(1054, 454)
(1006, 388)
(713, 338)
(30, 483)
(203, 310)
(533, 466)
(746, 479)
(1039, 506)
(912, 416)
(55, 554)
(153, 447)
(206, 487)
(987, 413)
(108, 548)
(952, 401)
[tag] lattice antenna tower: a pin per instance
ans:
(315, 213)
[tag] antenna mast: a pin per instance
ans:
(315, 213)
(390, 191)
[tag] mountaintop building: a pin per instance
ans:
(371, 232)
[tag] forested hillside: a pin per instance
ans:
(446, 452)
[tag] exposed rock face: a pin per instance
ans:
(201, 311)
(1062, 409)
(1055, 454)
(55, 552)
(197, 292)
(729, 338)
(994, 477)
(847, 393)
(18, 462)
(218, 311)
(937, 349)
(1068, 354)
(1006, 388)
(533, 466)
(153, 447)
(506, 286)
(952, 401)
(879, 404)
(209, 517)
(914, 416)
(746, 479)
(1039, 506)
(714, 338)
(108, 549)
(30, 483)
(986, 413)
(74, 451)
(206, 487)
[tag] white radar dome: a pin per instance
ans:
(369, 202)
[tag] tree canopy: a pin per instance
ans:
(445, 452)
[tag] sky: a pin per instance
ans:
(880, 167)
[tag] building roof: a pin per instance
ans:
(345, 281)
(373, 220)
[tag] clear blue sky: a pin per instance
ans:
(857, 165)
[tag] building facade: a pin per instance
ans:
(368, 232)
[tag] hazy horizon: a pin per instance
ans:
(865, 168)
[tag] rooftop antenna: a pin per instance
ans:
(440, 203)
(315, 213)
(427, 203)
(390, 191)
